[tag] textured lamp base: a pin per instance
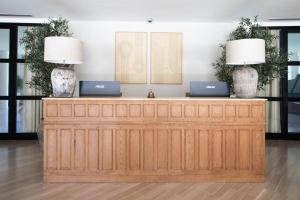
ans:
(245, 81)
(63, 81)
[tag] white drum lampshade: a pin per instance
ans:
(63, 50)
(245, 52)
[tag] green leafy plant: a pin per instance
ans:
(33, 42)
(275, 60)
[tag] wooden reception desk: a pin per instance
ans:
(154, 140)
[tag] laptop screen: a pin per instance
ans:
(99, 88)
(209, 89)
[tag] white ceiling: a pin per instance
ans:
(160, 10)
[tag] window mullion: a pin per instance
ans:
(12, 79)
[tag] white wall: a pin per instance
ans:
(200, 49)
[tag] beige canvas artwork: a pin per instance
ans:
(131, 57)
(166, 58)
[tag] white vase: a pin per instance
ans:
(245, 81)
(63, 81)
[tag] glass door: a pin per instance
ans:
(28, 103)
(20, 105)
(4, 79)
(293, 77)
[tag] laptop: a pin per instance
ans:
(209, 89)
(99, 88)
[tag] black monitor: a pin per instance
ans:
(99, 88)
(209, 89)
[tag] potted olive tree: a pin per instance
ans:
(33, 42)
(275, 60)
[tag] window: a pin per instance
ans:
(292, 36)
(286, 112)
(20, 105)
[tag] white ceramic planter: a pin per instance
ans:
(245, 81)
(63, 81)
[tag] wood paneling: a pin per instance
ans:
(190, 110)
(51, 149)
(149, 149)
(80, 149)
(93, 110)
(230, 111)
(93, 149)
(52, 110)
(204, 149)
(107, 148)
(121, 110)
(217, 149)
(176, 110)
(162, 110)
(135, 110)
(244, 144)
(107, 110)
(149, 110)
(135, 149)
(66, 110)
(216, 111)
(162, 148)
(230, 149)
(112, 110)
(258, 150)
(243, 111)
(170, 139)
(257, 111)
(176, 149)
(120, 149)
(80, 110)
(190, 150)
(66, 148)
(203, 110)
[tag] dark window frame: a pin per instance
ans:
(12, 97)
(284, 99)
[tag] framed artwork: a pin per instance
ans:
(166, 58)
(131, 57)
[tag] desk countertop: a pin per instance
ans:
(157, 99)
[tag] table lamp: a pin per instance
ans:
(245, 52)
(65, 51)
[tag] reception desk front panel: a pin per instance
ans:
(159, 140)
